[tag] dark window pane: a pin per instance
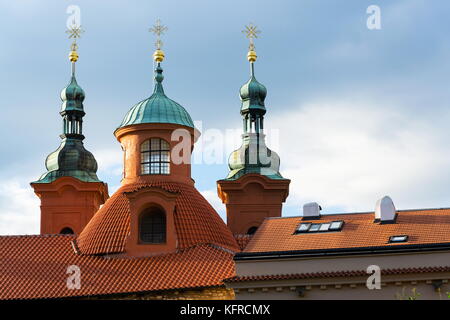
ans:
(67, 230)
(152, 227)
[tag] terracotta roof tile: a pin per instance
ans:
(196, 221)
(242, 240)
(422, 227)
(35, 267)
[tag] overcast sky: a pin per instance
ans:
(356, 114)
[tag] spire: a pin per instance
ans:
(158, 108)
(71, 158)
(253, 164)
(253, 156)
(72, 95)
(252, 92)
(74, 33)
(158, 56)
(158, 29)
(251, 32)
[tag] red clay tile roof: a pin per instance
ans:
(242, 240)
(35, 267)
(336, 274)
(196, 221)
(422, 227)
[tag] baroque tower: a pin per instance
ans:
(157, 209)
(254, 189)
(70, 190)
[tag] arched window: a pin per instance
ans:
(252, 230)
(67, 230)
(155, 157)
(152, 226)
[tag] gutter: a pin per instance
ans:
(243, 256)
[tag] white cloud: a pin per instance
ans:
(110, 161)
(19, 213)
(348, 154)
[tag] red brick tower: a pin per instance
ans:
(70, 190)
(254, 188)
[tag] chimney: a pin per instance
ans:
(311, 210)
(385, 210)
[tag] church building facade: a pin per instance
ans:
(157, 237)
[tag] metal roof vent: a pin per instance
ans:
(385, 210)
(311, 210)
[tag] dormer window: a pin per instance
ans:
(155, 157)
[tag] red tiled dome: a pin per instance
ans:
(196, 221)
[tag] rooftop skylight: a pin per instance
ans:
(396, 239)
(308, 227)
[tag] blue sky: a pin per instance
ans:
(360, 113)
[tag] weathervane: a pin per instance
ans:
(251, 32)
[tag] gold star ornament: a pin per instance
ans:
(74, 32)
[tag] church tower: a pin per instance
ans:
(254, 189)
(157, 209)
(70, 190)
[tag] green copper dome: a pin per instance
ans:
(72, 97)
(254, 157)
(71, 159)
(158, 108)
(252, 95)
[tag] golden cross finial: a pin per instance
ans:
(158, 29)
(74, 33)
(251, 32)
